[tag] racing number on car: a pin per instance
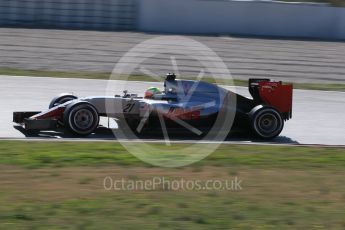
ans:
(128, 107)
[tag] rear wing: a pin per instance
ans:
(273, 93)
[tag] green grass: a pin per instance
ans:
(49, 73)
(60, 154)
(106, 76)
(59, 185)
(162, 211)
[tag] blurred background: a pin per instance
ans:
(313, 19)
(93, 35)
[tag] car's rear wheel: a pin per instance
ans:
(61, 99)
(81, 118)
(266, 122)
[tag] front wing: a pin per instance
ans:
(23, 119)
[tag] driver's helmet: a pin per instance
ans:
(150, 92)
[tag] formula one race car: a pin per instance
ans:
(183, 104)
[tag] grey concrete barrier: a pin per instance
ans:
(74, 14)
(261, 18)
(242, 17)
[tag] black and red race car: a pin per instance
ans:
(197, 106)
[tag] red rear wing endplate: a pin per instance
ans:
(277, 95)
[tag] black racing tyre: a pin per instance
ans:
(266, 122)
(60, 99)
(81, 118)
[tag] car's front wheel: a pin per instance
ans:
(266, 122)
(81, 118)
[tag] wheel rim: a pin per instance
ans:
(83, 119)
(268, 123)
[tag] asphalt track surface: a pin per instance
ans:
(317, 115)
(292, 60)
